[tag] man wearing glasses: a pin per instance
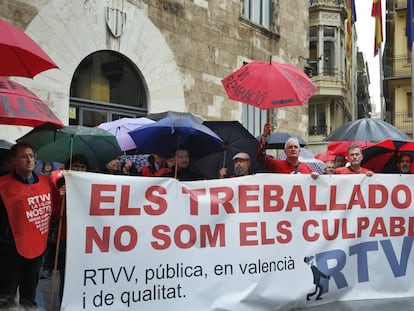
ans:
(25, 214)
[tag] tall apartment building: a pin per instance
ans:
(397, 68)
(342, 78)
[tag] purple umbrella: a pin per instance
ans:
(120, 128)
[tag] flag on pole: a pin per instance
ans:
(409, 24)
(353, 11)
(377, 14)
(351, 19)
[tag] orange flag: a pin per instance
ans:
(377, 14)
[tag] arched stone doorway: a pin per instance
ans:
(106, 86)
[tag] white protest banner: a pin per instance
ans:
(261, 242)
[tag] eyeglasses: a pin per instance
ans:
(26, 156)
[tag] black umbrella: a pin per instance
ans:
(236, 138)
(277, 140)
(5, 145)
(366, 130)
(382, 157)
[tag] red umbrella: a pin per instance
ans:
(341, 147)
(325, 156)
(20, 55)
(382, 157)
(268, 85)
(19, 106)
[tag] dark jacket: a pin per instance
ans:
(183, 174)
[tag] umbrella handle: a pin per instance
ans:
(178, 144)
(224, 158)
(71, 152)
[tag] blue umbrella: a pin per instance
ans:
(163, 137)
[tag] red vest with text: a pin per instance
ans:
(29, 209)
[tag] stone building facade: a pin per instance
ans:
(180, 50)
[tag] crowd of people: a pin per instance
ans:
(25, 238)
(354, 164)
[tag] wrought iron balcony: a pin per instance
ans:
(327, 2)
(400, 4)
(316, 130)
(403, 121)
(398, 66)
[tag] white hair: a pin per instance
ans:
(290, 140)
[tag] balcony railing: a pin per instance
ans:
(315, 130)
(397, 66)
(403, 121)
(327, 2)
(400, 4)
(326, 72)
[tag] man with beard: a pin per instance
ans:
(404, 163)
(181, 170)
(241, 165)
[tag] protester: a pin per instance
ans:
(47, 168)
(138, 160)
(170, 163)
(157, 166)
(47, 265)
(340, 160)
(241, 165)
(22, 240)
(128, 168)
(79, 163)
(330, 167)
(355, 158)
(404, 163)
(181, 170)
(290, 165)
(5, 165)
(113, 167)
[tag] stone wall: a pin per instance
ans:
(209, 41)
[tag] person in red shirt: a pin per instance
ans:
(157, 166)
(355, 158)
(290, 165)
